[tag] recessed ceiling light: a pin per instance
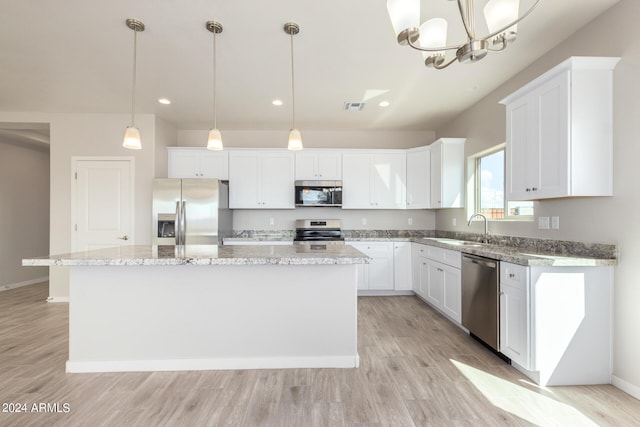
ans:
(164, 101)
(276, 102)
(384, 103)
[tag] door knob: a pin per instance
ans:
(125, 237)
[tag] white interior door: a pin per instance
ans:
(103, 204)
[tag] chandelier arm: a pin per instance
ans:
(432, 49)
(465, 19)
(441, 66)
(503, 29)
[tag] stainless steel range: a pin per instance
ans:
(318, 232)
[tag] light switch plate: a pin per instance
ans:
(555, 222)
(543, 222)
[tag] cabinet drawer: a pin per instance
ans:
(373, 249)
(513, 274)
(445, 256)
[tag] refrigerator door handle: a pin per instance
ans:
(177, 230)
(183, 225)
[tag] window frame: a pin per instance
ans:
(474, 190)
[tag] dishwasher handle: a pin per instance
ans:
(481, 261)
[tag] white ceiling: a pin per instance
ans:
(76, 56)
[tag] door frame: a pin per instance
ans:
(74, 208)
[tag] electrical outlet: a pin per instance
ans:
(364, 221)
(555, 222)
(543, 222)
(410, 221)
(270, 220)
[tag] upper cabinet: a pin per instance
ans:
(373, 179)
(559, 132)
(198, 163)
(419, 178)
(447, 173)
(261, 179)
(319, 165)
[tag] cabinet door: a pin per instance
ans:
(378, 274)
(452, 293)
(329, 165)
(419, 179)
(553, 141)
(244, 180)
(214, 165)
(417, 253)
(389, 181)
(522, 150)
(436, 175)
(356, 181)
(306, 165)
(435, 283)
(402, 277)
(447, 173)
(277, 180)
(183, 164)
(514, 314)
(423, 285)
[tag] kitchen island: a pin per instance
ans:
(160, 308)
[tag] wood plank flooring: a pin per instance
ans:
(417, 369)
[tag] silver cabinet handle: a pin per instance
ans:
(125, 237)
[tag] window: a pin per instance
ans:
(489, 186)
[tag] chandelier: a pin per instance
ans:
(501, 16)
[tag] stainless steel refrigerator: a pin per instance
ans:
(190, 212)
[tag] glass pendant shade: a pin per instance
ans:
(132, 138)
(500, 13)
(295, 140)
(215, 140)
(433, 34)
(404, 14)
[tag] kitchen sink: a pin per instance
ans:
(454, 241)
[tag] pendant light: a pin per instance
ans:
(295, 139)
(132, 134)
(215, 137)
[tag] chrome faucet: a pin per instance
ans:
(485, 239)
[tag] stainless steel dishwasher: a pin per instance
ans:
(480, 306)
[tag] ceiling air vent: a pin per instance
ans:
(353, 106)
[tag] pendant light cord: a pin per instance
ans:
(133, 90)
(215, 123)
(293, 93)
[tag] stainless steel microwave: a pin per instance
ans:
(318, 193)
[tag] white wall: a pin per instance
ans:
(604, 219)
(311, 139)
(24, 210)
(166, 136)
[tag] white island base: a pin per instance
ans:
(199, 317)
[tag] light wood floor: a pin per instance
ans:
(416, 369)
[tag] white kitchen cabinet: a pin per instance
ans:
(439, 280)
(198, 163)
(418, 178)
(402, 278)
(319, 165)
(555, 322)
(515, 340)
(374, 179)
(378, 274)
(559, 132)
(447, 173)
(261, 179)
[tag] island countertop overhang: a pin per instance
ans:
(153, 255)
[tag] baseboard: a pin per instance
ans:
(25, 283)
(625, 386)
(212, 364)
(58, 299)
(382, 293)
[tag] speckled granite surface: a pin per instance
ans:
(518, 250)
(261, 236)
(147, 255)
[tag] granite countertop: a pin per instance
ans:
(148, 255)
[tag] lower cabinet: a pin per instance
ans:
(437, 282)
(556, 322)
(378, 274)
